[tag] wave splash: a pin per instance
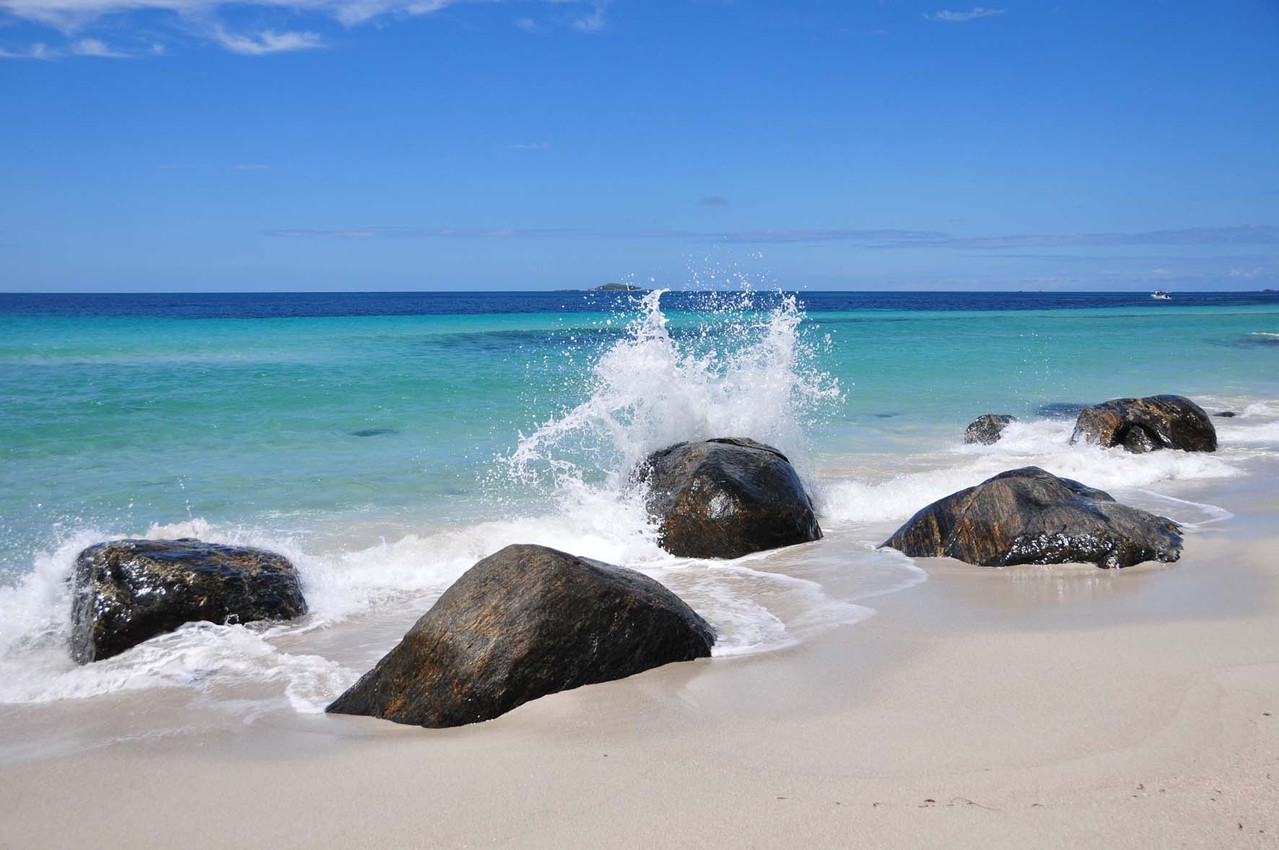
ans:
(737, 371)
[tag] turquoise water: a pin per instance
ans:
(123, 421)
(933, 369)
(386, 442)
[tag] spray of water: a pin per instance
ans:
(725, 368)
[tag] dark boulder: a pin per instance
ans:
(1147, 424)
(1226, 414)
(986, 430)
(126, 591)
(523, 623)
(1029, 516)
(725, 498)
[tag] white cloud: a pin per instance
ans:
(960, 17)
(592, 21)
(39, 51)
(212, 20)
(72, 15)
(94, 47)
(532, 146)
(267, 41)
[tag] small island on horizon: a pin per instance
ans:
(609, 287)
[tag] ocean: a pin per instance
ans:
(387, 441)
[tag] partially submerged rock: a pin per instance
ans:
(125, 591)
(725, 498)
(1147, 424)
(1029, 516)
(986, 430)
(523, 623)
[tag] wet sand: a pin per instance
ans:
(1023, 707)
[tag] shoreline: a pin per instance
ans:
(1044, 705)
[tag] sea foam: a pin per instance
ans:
(728, 369)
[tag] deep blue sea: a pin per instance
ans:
(387, 441)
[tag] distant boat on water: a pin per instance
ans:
(1160, 294)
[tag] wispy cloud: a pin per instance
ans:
(267, 41)
(423, 233)
(94, 47)
(531, 146)
(1248, 234)
(207, 19)
(82, 47)
(38, 51)
(880, 239)
(959, 17)
(191, 166)
(593, 19)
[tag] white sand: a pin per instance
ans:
(985, 708)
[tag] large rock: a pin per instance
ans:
(1147, 424)
(523, 623)
(1029, 516)
(726, 498)
(987, 429)
(126, 591)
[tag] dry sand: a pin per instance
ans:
(985, 708)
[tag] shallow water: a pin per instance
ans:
(386, 443)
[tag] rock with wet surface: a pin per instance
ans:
(986, 430)
(1147, 424)
(522, 623)
(725, 498)
(1029, 516)
(126, 591)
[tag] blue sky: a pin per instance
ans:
(535, 144)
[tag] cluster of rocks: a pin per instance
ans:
(529, 621)
(522, 623)
(1029, 516)
(1138, 425)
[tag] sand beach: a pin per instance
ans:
(1042, 706)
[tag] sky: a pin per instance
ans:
(315, 145)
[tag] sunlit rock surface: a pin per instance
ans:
(1147, 424)
(725, 498)
(1029, 516)
(525, 622)
(126, 591)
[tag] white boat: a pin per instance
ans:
(1160, 294)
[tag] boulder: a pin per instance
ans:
(725, 498)
(986, 430)
(523, 623)
(1147, 424)
(1029, 516)
(125, 591)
